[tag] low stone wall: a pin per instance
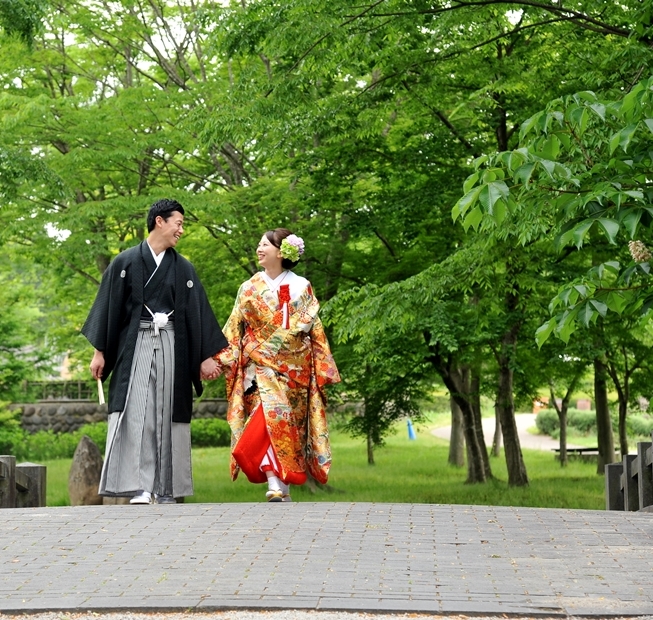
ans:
(67, 416)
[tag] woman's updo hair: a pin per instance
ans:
(275, 237)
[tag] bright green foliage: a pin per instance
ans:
(584, 422)
(22, 18)
(48, 445)
(353, 125)
(24, 354)
(11, 433)
(210, 433)
(581, 173)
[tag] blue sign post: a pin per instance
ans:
(411, 430)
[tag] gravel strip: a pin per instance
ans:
(289, 614)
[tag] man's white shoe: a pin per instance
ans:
(144, 497)
(164, 499)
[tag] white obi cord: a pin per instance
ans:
(159, 319)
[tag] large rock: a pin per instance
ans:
(112, 501)
(84, 477)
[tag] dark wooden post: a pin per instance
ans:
(631, 501)
(30, 485)
(644, 477)
(7, 481)
(614, 497)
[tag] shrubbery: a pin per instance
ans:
(47, 445)
(584, 422)
(11, 433)
(210, 433)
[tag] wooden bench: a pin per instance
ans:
(583, 454)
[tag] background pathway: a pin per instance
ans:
(528, 440)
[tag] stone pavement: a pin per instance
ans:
(379, 558)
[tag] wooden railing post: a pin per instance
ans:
(631, 500)
(644, 478)
(30, 485)
(614, 497)
(7, 481)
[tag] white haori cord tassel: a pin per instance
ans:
(159, 319)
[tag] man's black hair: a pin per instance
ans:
(164, 208)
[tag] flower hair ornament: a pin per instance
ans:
(292, 247)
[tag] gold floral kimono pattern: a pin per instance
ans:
(292, 367)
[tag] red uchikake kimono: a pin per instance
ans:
(276, 365)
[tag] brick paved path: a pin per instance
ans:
(328, 556)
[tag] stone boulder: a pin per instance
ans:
(112, 501)
(85, 471)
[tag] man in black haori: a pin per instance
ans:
(154, 331)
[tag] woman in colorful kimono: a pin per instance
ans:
(276, 365)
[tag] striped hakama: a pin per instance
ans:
(146, 450)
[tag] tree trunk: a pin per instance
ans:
(623, 435)
(457, 439)
(453, 381)
(505, 404)
(604, 435)
(475, 464)
(496, 439)
(622, 388)
(370, 449)
(562, 418)
(474, 391)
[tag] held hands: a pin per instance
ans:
(210, 369)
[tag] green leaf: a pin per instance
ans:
(628, 103)
(473, 219)
(631, 221)
(491, 193)
(544, 331)
(460, 208)
(523, 173)
(586, 314)
(599, 306)
(470, 181)
(610, 227)
(567, 324)
(580, 231)
(564, 296)
(551, 148)
(499, 211)
(615, 301)
(582, 289)
(549, 166)
(489, 176)
(599, 108)
(622, 138)
(649, 123)
(586, 95)
(614, 142)
(515, 160)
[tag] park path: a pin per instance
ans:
(327, 557)
(325, 561)
(525, 421)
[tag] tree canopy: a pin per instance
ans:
(466, 175)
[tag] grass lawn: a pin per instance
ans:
(405, 471)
